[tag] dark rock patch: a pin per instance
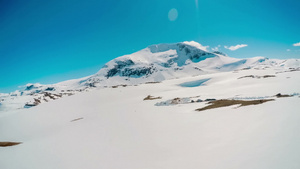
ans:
(151, 82)
(119, 86)
(149, 97)
(77, 119)
(282, 95)
(257, 77)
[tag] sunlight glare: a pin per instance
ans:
(173, 14)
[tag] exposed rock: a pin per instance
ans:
(282, 95)
(199, 100)
(208, 100)
(119, 86)
(219, 53)
(50, 89)
(174, 101)
(258, 77)
(77, 119)
(117, 68)
(149, 97)
(151, 82)
(266, 76)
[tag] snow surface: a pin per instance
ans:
(119, 129)
(197, 45)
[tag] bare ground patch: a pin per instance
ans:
(77, 119)
(149, 97)
(226, 102)
(151, 82)
(7, 144)
(257, 77)
(119, 86)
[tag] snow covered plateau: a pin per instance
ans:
(173, 106)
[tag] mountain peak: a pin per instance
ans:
(156, 59)
(31, 86)
(196, 44)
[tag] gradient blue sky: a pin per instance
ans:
(52, 41)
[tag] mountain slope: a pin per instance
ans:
(152, 64)
(169, 61)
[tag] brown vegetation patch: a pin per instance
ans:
(149, 97)
(225, 103)
(7, 144)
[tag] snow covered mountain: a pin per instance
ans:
(168, 61)
(152, 64)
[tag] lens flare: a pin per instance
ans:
(173, 14)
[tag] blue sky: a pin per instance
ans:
(52, 41)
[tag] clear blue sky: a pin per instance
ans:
(55, 40)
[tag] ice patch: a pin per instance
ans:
(194, 83)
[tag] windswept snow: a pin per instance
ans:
(119, 129)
